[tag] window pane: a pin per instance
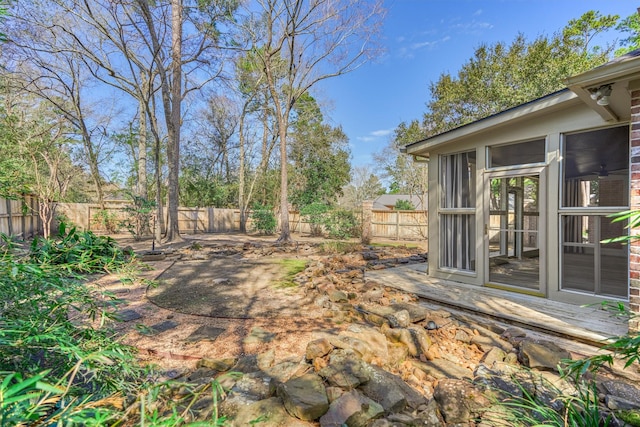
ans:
(596, 168)
(588, 265)
(517, 154)
(457, 234)
(613, 259)
(457, 180)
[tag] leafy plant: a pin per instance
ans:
(404, 205)
(139, 216)
(625, 347)
(52, 327)
(543, 404)
(107, 220)
(315, 213)
(263, 219)
(337, 247)
(79, 252)
(341, 224)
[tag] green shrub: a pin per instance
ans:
(315, 214)
(547, 405)
(79, 252)
(341, 224)
(105, 220)
(263, 219)
(404, 205)
(139, 216)
(57, 356)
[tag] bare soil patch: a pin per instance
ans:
(232, 287)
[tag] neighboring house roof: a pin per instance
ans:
(618, 72)
(388, 201)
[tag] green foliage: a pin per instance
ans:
(404, 205)
(340, 247)
(78, 252)
(625, 348)
(630, 25)
(139, 216)
(107, 220)
(502, 75)
(291, 269)
(535, 406)
(57, 357)
(341, 224)
(315, 214)
(319, 154)
(263, 219)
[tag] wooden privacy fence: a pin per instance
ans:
(20, 217)
(386, 224)
(399, 225)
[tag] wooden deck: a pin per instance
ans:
(591, 325)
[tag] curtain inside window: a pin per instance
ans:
(457, 231)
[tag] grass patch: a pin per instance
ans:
(396, 245)
(340, 247)
(291, 268)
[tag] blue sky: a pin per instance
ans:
(424, 38)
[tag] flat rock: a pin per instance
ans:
(542, 354)
(272, 413)
(390, 391)
(459, 401)
(128, 315)
(416, 313)
(259, 336)
(205, 332)
(443, 369)
(161, 327)
(351, 409)
(304, 397)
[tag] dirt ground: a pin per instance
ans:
(218, 296)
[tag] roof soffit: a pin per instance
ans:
(529, 110)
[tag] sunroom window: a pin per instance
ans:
(595, 185)
(457, 211)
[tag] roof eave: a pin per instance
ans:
(540, 106)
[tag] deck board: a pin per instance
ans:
(592, 324)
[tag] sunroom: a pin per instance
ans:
(522, 200)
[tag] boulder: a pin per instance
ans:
(416, 313)
(399, 319)
(543, 355)
(304, 397)
(347, 372)
(270, 410)
(351, 409)
(390, 391)
(443, 369)
(367, 341)
(318, 348)
(459, 401)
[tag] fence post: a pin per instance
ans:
(9, 217)
(367, 207)
(397, 225)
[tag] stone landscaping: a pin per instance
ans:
(390, 360)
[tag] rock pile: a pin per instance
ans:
(396, 364)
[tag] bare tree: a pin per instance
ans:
(302, 42)
(45, 64)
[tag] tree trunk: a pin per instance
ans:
(142, 148)
(241, 179)
(173, 145)
(285, 232)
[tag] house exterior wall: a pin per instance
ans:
(634, 246)
(576, 117)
